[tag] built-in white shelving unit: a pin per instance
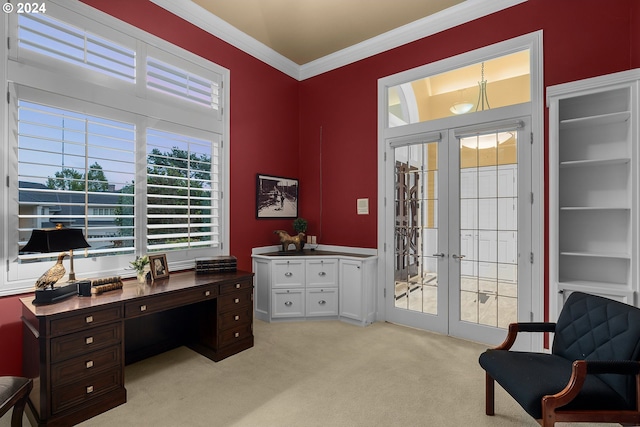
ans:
(593, 188)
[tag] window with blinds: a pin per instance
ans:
(182, 191)
(178, 82)
(48, 36)
(77, 170)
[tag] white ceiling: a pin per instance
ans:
(303, 38)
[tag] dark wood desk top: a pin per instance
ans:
(132, 290)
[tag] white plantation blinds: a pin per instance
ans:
(182, 191)
(77, 170)
(51, 37)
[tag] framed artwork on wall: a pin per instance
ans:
(276, 197)
(159, 266)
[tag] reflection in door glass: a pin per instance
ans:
(416, 227)
(489, 229)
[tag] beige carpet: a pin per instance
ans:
(316, 374)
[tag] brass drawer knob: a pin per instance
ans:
(90, 389)
(89, 364)
(88, 340)
(88, 319)
(207, 293)
(236, 318)
(237, 334)
(237, 300)
(143, 308)
(238, 285)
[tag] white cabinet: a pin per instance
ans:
(593, 183)
(327, 286)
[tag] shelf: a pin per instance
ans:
(596, 254)
(594, 208)
(582, 284)
(599, 120)
(591, 163)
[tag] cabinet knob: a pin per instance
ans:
(237, 334)
(322, 273)
(90, 389)
(237, 300)
(238, 285)
(143, 308)
(89, 364)
(88, 340)
(207, 293)
(88, 319)
(236, 318)
(288, 303)
(322, 302)
(288, 274)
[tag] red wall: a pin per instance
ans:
(284, 127)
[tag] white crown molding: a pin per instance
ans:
(448, 18)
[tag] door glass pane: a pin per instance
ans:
(416, 227)
(488, 229)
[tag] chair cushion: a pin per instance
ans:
(527, 377)
(596, 328)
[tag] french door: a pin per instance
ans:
(461, 230)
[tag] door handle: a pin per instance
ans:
(458, 256)
(441, 255)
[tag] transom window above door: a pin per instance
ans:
(493, 83)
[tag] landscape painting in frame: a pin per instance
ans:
(276, 197)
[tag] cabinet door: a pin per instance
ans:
(351, 304)
(322, 302)
(287, 303)
(322, 273)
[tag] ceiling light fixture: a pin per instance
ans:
(462, 107)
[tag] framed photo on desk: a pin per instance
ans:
(159, 266)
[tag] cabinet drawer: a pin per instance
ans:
(322, 302)
(287, 303)
(81, 366)
(169, 301)
(228, 288)
(85, 320)
(86, 389)
(288, 274)
(233, 335)
(236, 317)
(232, 301)
(323, 272)
(83, 342)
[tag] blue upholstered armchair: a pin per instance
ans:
(592, 373)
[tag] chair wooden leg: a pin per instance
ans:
(18, 411)
(489, 395)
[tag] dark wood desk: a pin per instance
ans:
(75, 350)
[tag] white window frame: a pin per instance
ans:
(23, 71)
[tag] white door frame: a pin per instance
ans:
(533, 109)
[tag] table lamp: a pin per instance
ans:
(58, 239)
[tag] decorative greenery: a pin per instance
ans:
(140, 263)
(300, 225)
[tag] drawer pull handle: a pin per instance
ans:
(207, 293)
(143, 308)
(237, 300)
(322, 302)
(238, 285)
(89, 364)
(237, 334)
(88, 340)
(322, 273)
(236, 318)
(88, 319)
(90, 389)
(288, 303)
(288, 274)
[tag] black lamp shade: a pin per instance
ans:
(55, 240)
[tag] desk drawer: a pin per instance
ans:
(233, 335)
(169, 301)
(232, 301)
(89, 388)
(234, 287)
(83, 342)
(85, 320)
(235, 318)
(87, 364)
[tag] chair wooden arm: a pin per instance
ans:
(514, 328)
(579, 371)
